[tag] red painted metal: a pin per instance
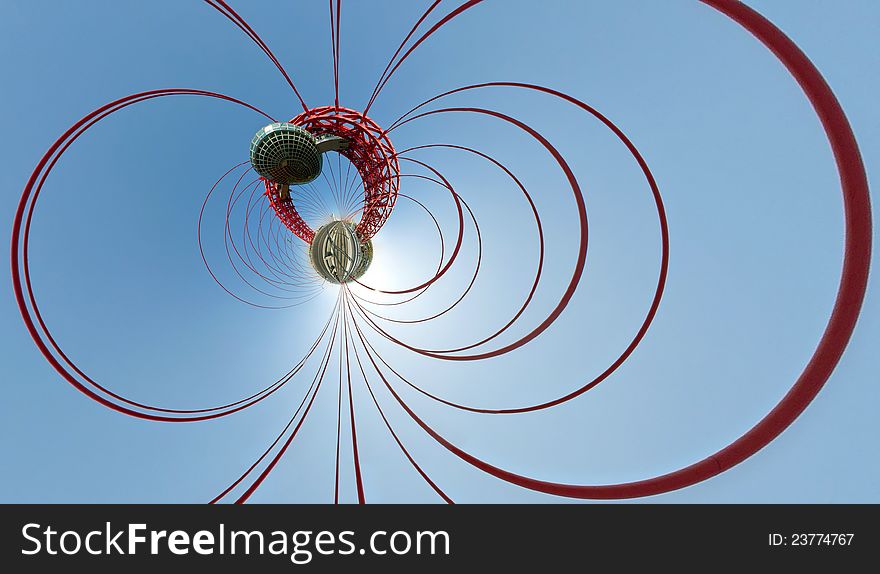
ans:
(287, 213)
(371, 153)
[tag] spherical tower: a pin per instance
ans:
(337, 253)
(286, 154)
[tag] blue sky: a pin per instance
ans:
(746, 175)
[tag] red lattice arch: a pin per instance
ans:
(370, 152)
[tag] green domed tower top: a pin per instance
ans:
(286, 154)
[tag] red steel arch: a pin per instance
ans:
(371, 153)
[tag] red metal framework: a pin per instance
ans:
(347, 327)
(287, 213)
(371, 153)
